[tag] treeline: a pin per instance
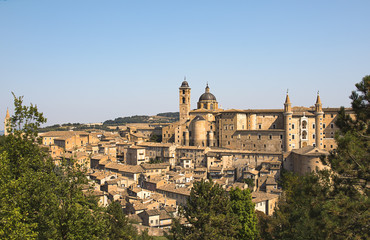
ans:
(169, 114)
(131, 119)
(167, 117)
(159, 118)
(74, 126)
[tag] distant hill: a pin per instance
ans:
(167, 117)
(1, 132)
(169, 114)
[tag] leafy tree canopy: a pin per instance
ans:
(211, 213)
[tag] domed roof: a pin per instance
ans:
(207, 95)
(184, 84)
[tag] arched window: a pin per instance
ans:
(183, 100)
(211, 106)
(304, 124)
(205, 105)
(304, 135)
(183, 91)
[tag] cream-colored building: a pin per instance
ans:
(68, 140)
(260, 132)
(136, 156)
(269, 130)
(305, 160)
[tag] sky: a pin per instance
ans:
(89, 61)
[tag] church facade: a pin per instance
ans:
(258, 130)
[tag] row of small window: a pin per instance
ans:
(259, 137)
(231, 127)
(313, 125)
(303, 137)
(331, 146)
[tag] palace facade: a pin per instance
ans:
(259, 130)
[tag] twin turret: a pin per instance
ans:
(289, 125)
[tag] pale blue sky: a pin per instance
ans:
(89, 61)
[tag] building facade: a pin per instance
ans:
(257, 130)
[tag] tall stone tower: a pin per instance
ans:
(6, 122)
(318, 122)
(184, 98)
(288, 124)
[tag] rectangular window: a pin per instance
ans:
(273, 126)
(332, 125)
(259, 126)
(313, 126)
(281, 136)
(313, 136)
(270, 137)
(293, 136)
(292, 126)
(259, 136)
(324, 125)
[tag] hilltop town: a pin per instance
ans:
(234, 148)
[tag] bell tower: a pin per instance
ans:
(184, 99)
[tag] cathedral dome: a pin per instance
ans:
(207, 95)
(207, 101)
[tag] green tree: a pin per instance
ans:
(243, 207)
(40, 200)
(119, 227)
(155, 160)
(249, 181)
(208, 214)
